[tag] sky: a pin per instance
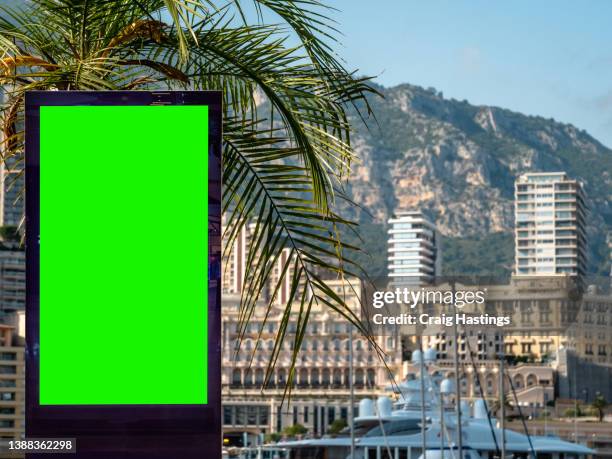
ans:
(548, 57)
(551, 58)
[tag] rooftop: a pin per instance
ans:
(535, 177)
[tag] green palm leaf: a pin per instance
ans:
(287, 148)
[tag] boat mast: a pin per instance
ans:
(502, 398)
(422, 378)
(352, 393)
(457, 383)
(446, 388)
(442, 424)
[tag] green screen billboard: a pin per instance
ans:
(123, 255)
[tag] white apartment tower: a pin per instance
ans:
(550, 233)
(414, 254)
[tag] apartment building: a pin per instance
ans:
(12, 385)
(414, 253)
(550, 234)
(12, 282)
(12, 202)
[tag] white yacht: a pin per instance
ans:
(384, 430)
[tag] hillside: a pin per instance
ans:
(458, 162)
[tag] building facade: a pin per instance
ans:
(238, 266)
(11, 193)
(12, 385)
(545, 314)
(558, 341)
(12, 282)
(414, 253)
(550, 234)
(235, 263)
(533, 384)
(578, 379)
(551, 313)
(320, 391)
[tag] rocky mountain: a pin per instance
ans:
(458, 162)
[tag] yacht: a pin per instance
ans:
(395, 430)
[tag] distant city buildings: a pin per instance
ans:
(414, 253)
(550, 233)
(545, 314)
(549, 324)
(552, 312)
(11, 191)
(237, 266)
(320, 390)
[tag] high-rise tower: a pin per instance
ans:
(550, 233)
(414, 255)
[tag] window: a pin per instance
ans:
(526, 317)
(227, 415)
(404, 236)
(263, 415)
(371, 376)
(331, 414)
(601, 349)
(240, 415)
(544, 348)
(236, 378)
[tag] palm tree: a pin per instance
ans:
(599, 405)
(284, 167)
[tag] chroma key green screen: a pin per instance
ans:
(123, 255)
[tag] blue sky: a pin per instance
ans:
(547, 57)
(540, 57)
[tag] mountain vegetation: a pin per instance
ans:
(458, 163)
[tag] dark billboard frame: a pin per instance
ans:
(118, 431)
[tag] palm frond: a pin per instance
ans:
(277, 198)
(287, 144)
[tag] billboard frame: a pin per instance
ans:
(150, 431)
